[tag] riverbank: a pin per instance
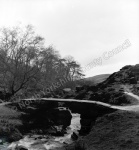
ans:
(47, 142)
(116, 131)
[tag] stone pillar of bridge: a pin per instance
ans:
(87, 121)
(89, 115)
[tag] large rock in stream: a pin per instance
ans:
(47, 120)
(60, 116)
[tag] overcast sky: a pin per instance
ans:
(84, 29)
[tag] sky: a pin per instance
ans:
(84, 29)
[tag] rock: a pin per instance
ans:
(66, 90)
(55, 132)
(1, 142)
(15, 136)
(21, 147)
(86, 125)
(74, 136)
(60, 116)
(58, 133)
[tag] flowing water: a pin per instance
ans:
(39, 142)
(48, 142)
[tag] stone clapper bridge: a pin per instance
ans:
(89, 110)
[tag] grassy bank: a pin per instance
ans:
(116, 131)
(9, 124)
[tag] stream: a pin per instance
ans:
(46, 142)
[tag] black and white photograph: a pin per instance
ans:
(69, 74)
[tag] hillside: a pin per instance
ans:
(116, 131)
(112, 89)
(97, 79)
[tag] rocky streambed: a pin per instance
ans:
(46, 142)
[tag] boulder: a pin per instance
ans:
(60, 116)
(66, 90)
(74, 136)
(86, 125)
(21, 147)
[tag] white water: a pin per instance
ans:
(51, 142)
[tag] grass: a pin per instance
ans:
(9, 117)
(9, 123)
(80, 147)
(77, 146)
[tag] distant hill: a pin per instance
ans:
(110, 88)
(97, 79)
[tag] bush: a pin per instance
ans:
(120, 100)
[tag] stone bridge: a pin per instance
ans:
(57, 110)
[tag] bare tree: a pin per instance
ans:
(19, 58)
(26, 64)
(73, 68)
